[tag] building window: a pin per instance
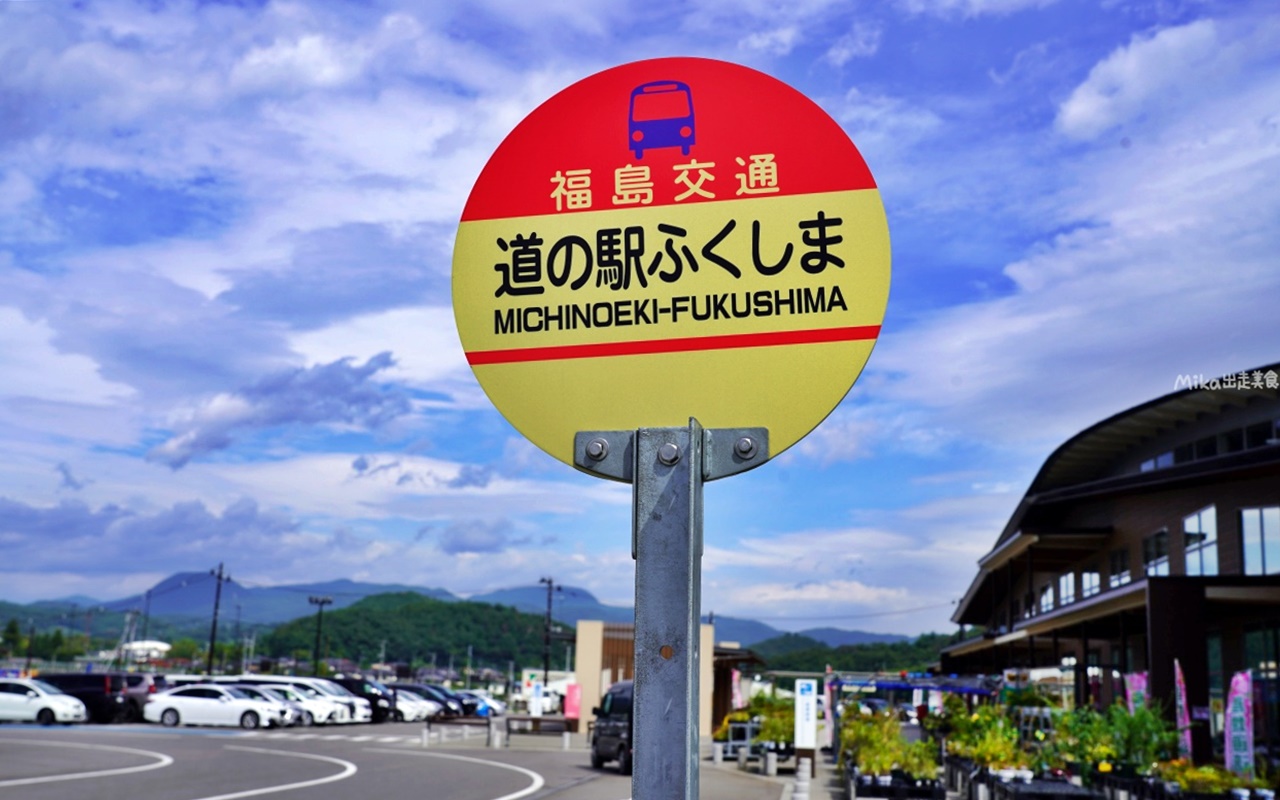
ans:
(1029, 606)
(1155, 553)
(1232, 441)
(1090, 581)
(1207, 447)
(1258, 435)
(1119, 568)
(1260, 531)
(1046, 598)
(1201, 534)
(1066, 588)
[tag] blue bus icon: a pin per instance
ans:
(661, 116)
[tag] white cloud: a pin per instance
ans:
(882, 122)
(778, 41)
(34, 368)
(1158, 259)
(424, 341)
(817, 592)
(309, 60)
(971, 8)
(1151, 71)
(866, 430)
(863, 41)
(410, 487)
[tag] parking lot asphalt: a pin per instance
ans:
(723, 781)
(138, 762)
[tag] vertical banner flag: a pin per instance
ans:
(1239, 734)
(1135, 687)
(828, 714)
(1182, 711)
(806, 714)
(735, 677)
(573, 701)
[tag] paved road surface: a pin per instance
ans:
(144, 762)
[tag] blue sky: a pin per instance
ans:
(225, 323)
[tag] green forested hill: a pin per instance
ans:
(791, 653)
(786, 644)
(416, 628)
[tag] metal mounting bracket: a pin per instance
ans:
(725, 452)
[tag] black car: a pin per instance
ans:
(612, 735)
(105, 694)
(382, 699)
(470, 705)
(451, 704)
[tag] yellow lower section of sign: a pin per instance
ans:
(788, 390)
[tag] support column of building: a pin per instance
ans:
(1176, 628)
(1081, 671)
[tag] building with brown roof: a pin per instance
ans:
(1151, 536)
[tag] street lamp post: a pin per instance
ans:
(320, 602)
(31, 643)
(546, 632)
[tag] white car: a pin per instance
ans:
(312, 707)
(352, 708)
(287, 714)
(413, 707)
(29, 700)
(209, 704)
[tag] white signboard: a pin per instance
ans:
(806, 714)
(535, 702)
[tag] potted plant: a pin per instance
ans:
(879, 763)
(1141, 738)
(1204, 782)
(1082, 743)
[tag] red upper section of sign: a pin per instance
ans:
(749, 134)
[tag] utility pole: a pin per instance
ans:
(321, 602)
(146, 614)
(213, 629)
(31, 642)
(546, 632)
(468, 666)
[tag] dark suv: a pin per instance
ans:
(382, 701)
(104, 694)
(612, 735)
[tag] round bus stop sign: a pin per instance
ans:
(668, 239)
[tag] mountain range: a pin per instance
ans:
(188, 597)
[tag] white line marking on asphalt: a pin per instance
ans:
(530, 789)
(162, 760)
(349, 769)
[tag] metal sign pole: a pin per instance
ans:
(667, 547)
(667, 467)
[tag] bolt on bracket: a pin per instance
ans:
(725, 452)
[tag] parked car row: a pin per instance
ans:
(246, 700)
